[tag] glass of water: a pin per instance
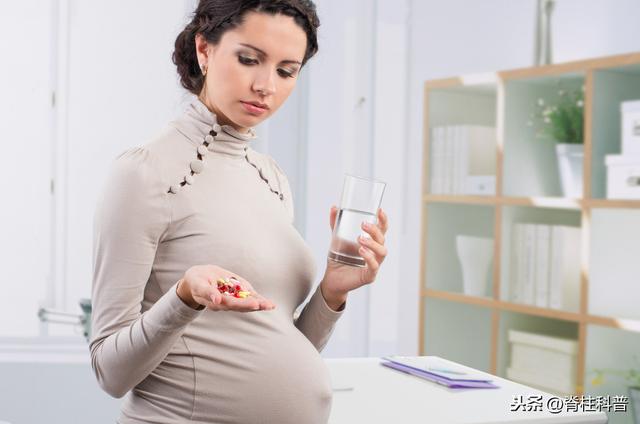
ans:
(361, 198)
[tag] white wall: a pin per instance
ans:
(339, 137)
(25, 162)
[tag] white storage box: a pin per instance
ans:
(623, 176)
(545, 362)
(630, 112)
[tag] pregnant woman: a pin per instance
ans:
(196, 207)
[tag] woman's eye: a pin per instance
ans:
(285, 74)
(246, 60)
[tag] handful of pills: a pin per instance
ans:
(231, 287)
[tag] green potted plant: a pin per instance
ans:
(632, 378)
(562, 120)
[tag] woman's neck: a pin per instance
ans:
(220, 117)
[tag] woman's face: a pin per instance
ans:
(256, 62)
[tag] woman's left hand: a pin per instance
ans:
(339, 279)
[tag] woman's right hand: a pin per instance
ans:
(199, 286)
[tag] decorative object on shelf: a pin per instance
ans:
(475, 255)
(546, 362)
(623, 171)
(543, 53)
(623, 176)
(632, 378)
(630, 111)
(563, 122)
(570, 158)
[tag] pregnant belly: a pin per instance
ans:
(271, 377)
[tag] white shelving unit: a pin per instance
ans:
(606, 318)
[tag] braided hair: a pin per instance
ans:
(212, 18)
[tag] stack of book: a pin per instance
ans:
(463, 160)
(545, 362)
(545, 266)
(440, 371)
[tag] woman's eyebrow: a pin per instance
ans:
(264, 54)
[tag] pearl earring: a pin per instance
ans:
(203, 69)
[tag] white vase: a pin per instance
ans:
(475, 255)
(570, 159)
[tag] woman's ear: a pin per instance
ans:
(202, 50)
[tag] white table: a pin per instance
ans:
(366, 392)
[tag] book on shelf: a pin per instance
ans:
(448, 160)
(545, 266)
(517, 264)
(437, 162)
(564, 280)
(463, 160)
(543, 234)
(529, 254)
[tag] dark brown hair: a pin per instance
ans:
(213, 18)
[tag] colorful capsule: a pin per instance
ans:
(225, 286)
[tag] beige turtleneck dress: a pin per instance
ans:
(198, 194)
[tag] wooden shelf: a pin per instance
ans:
(613, 203)
(572, 67)
(504, 306)
(619, 323)
(540, 202)
(451, 198)
(525, 167)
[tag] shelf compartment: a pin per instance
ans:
(467, 101)
(611, 86)
(533, 215)
(600, 355)
(458, 332)
(529, 163)
(446, 221)
(613, 261)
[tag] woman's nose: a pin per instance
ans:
(265, 83)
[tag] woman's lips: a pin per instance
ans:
(252, 109)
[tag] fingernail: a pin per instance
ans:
(365, 224)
